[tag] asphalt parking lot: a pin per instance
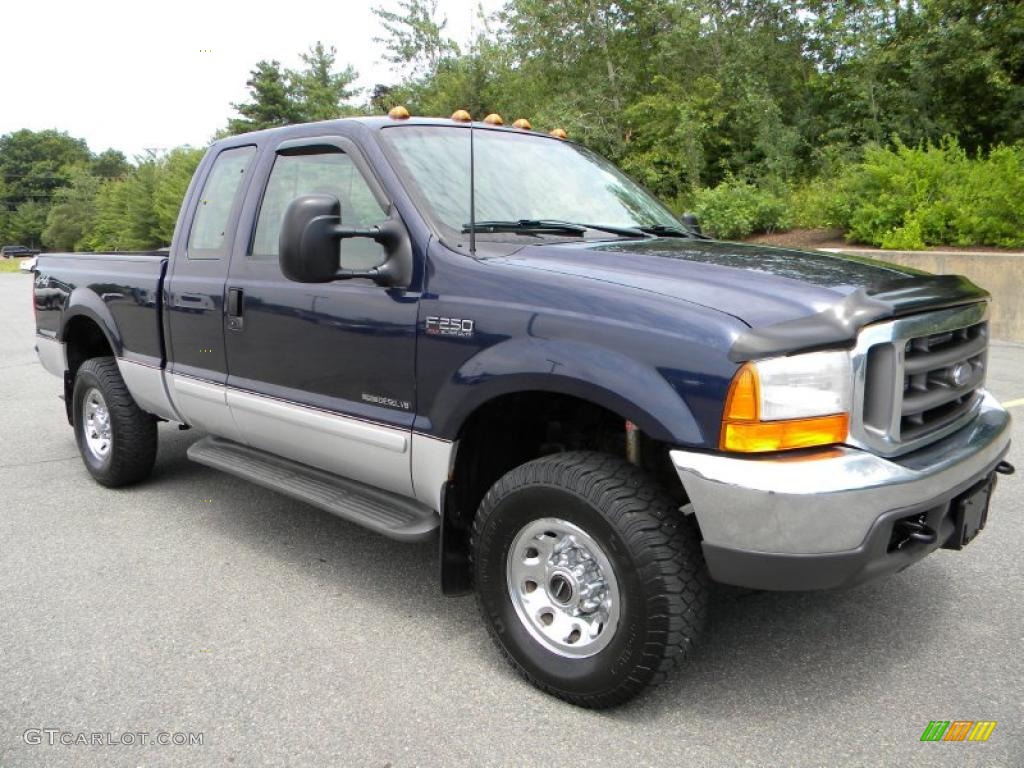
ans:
(198, 603)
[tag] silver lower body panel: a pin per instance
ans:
(52, 354)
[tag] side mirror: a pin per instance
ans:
(309, 251)
(690, 222)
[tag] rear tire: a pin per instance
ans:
(117, 439)
(591, 582)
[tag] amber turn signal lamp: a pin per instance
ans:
(760, 436)
(742, 402)
(461, 116)
(522, 124)
(743, 432)
(494, 119)
(398, 113)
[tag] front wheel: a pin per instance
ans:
(590, 580)
(116, 438)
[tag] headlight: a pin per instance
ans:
(788, 402)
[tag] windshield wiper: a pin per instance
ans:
(616, 230)
(662, 230)
(527, 225)
(555, 226)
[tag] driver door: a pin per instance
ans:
(323, 374)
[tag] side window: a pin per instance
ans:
(207, 237)
(324, 173)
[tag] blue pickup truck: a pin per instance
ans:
(489, 336)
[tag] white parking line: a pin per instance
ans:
(1014, 403)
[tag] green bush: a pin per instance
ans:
(989, 203)
(818, 204)
(735, 209)
(911, 197)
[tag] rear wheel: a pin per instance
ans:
(591, 581)
(117, 439)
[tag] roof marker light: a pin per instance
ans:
(559, 133)
(494, 119)
(461, 116)
(522, 124)
(398, 113)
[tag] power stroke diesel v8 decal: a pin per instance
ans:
(450, 326)
(387, 402)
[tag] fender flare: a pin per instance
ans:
(629, 388)
(84, 302)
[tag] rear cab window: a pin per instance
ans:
(208, 235)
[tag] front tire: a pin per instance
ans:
(592, 583)
(117, 439)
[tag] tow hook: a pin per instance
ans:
(913, 529)
(1005, 468)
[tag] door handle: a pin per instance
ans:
(191, 300)
(235, 308)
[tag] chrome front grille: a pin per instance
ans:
(918, 378)
(942, 373)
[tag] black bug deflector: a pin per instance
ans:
(840, 323)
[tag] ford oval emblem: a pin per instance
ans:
(960, 374)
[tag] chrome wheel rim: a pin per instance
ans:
(98, 438)
(563, 588)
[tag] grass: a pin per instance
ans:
(10, 265)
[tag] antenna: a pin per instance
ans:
(472, 193)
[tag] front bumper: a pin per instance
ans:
(823, 519)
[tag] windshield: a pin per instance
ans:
(519, 176)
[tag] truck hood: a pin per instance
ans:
(760, 285)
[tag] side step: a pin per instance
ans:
(387, 513)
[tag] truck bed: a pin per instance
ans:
(125, 287)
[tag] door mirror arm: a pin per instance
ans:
(392, 236)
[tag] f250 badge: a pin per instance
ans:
(450, 326)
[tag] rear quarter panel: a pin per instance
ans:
(120, 292)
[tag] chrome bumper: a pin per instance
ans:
(828, 501)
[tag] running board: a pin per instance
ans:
(387, 513)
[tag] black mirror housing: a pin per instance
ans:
(690, 222)
(309, 252)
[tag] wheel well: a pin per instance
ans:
(514, 429)
(83, 340)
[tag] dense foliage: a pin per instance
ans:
(911, 197)
(897, 120)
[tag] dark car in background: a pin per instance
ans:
(17, 251)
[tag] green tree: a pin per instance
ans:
(281, 97)
(33, 165)
(320, 90)
(110, 164)
(110, 226)
(26, 224)
(142, 223)
(415, 40)
(73, 213)
(272, 101)
(174, 176)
